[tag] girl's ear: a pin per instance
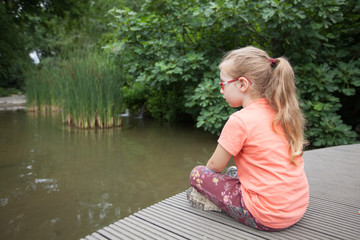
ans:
(244, 84)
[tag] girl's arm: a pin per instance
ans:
(219, 159)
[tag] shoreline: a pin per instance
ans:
(13, 102)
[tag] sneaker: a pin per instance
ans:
(199, 201)
(232, 172)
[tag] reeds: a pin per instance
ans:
(86, 87)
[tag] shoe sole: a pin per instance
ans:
(199, 201)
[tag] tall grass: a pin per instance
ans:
(86, 87)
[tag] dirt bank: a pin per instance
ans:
(13, 102)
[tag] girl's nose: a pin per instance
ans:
(221, 91)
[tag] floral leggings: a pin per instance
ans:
(224, 191)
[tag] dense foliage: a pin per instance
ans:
(12, 51)
(171, 50)
(74, 75)
(37, 25)
(48, 28)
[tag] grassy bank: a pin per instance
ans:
(85, 87)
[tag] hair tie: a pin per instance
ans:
(272, 62)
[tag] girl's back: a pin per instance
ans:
(274, 190)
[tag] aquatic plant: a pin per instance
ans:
(85, 86)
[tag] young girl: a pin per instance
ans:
(265, 138)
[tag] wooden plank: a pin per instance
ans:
(199, 229)
(106, 234)
(135, 233)
(334, 179)
(326, 227)
(98, 236)
(333, 210)
(115, 230)
(178, 201)
(90, 238)
(218, 230)
(185, 225)
(118, 235)
(336, 201)
(291, 233)
(349, 199)
(163, 223)
(150, 229)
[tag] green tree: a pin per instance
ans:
(12, 51)
(320, 38)
(168, 45)
(32, 25)
(50, 28)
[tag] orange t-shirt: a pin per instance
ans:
(275, 191)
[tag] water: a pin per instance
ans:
(58, 182)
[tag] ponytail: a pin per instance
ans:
(281, 93)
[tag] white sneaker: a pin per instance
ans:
(199, 201)
(232, 172)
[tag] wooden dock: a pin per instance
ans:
(333, 212)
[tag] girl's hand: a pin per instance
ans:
(219, 159)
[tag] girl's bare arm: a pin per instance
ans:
(219, 159)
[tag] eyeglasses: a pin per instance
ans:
(222, 84)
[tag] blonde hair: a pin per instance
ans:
(273, 79)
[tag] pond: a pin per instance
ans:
(58, 182)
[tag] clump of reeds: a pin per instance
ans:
(39, 91)
(85, 86)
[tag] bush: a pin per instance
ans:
(169, 46)
(9, 91)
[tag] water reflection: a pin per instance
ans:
(62, 183)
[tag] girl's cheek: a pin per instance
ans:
(233, 100)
